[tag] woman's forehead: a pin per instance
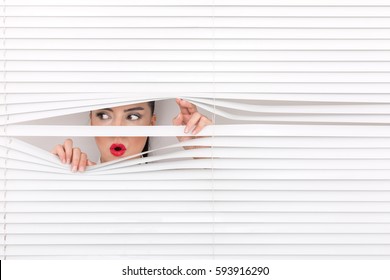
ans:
(138, 106)
(143, 105)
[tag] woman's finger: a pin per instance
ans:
(192, 122)
(204, 121)
(90, 163)
(59, 151)
(75, 159)
(186, 107)
(82, 162)
(182, 109)
(190, 107)
(178, 120)
(68, 146)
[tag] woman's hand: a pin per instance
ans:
(70, 155)
(191, 118)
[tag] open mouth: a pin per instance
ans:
(117, 149)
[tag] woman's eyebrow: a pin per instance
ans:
(134, 109)
(127, 110)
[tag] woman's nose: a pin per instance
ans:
(117, 122)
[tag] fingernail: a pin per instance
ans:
(186, 130)
(74, 168)
(63, 161)
(81, 169)
(68, 161)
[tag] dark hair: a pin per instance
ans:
(146, 147)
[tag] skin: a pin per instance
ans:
(135, 114)
(130, 115)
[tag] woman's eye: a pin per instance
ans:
(103, 116)
(133, 117)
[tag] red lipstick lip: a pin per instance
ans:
(117, 149)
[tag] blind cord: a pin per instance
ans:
(213, 125)
(5, 133)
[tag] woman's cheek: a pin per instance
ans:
(102, 143)
(135, 145)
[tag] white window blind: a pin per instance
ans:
(295, 166)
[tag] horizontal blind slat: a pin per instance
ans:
(199, 2)
(318, 250)
(242, 229)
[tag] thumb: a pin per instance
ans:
(178, 120)
(90, 163)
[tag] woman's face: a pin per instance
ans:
(112, 148)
